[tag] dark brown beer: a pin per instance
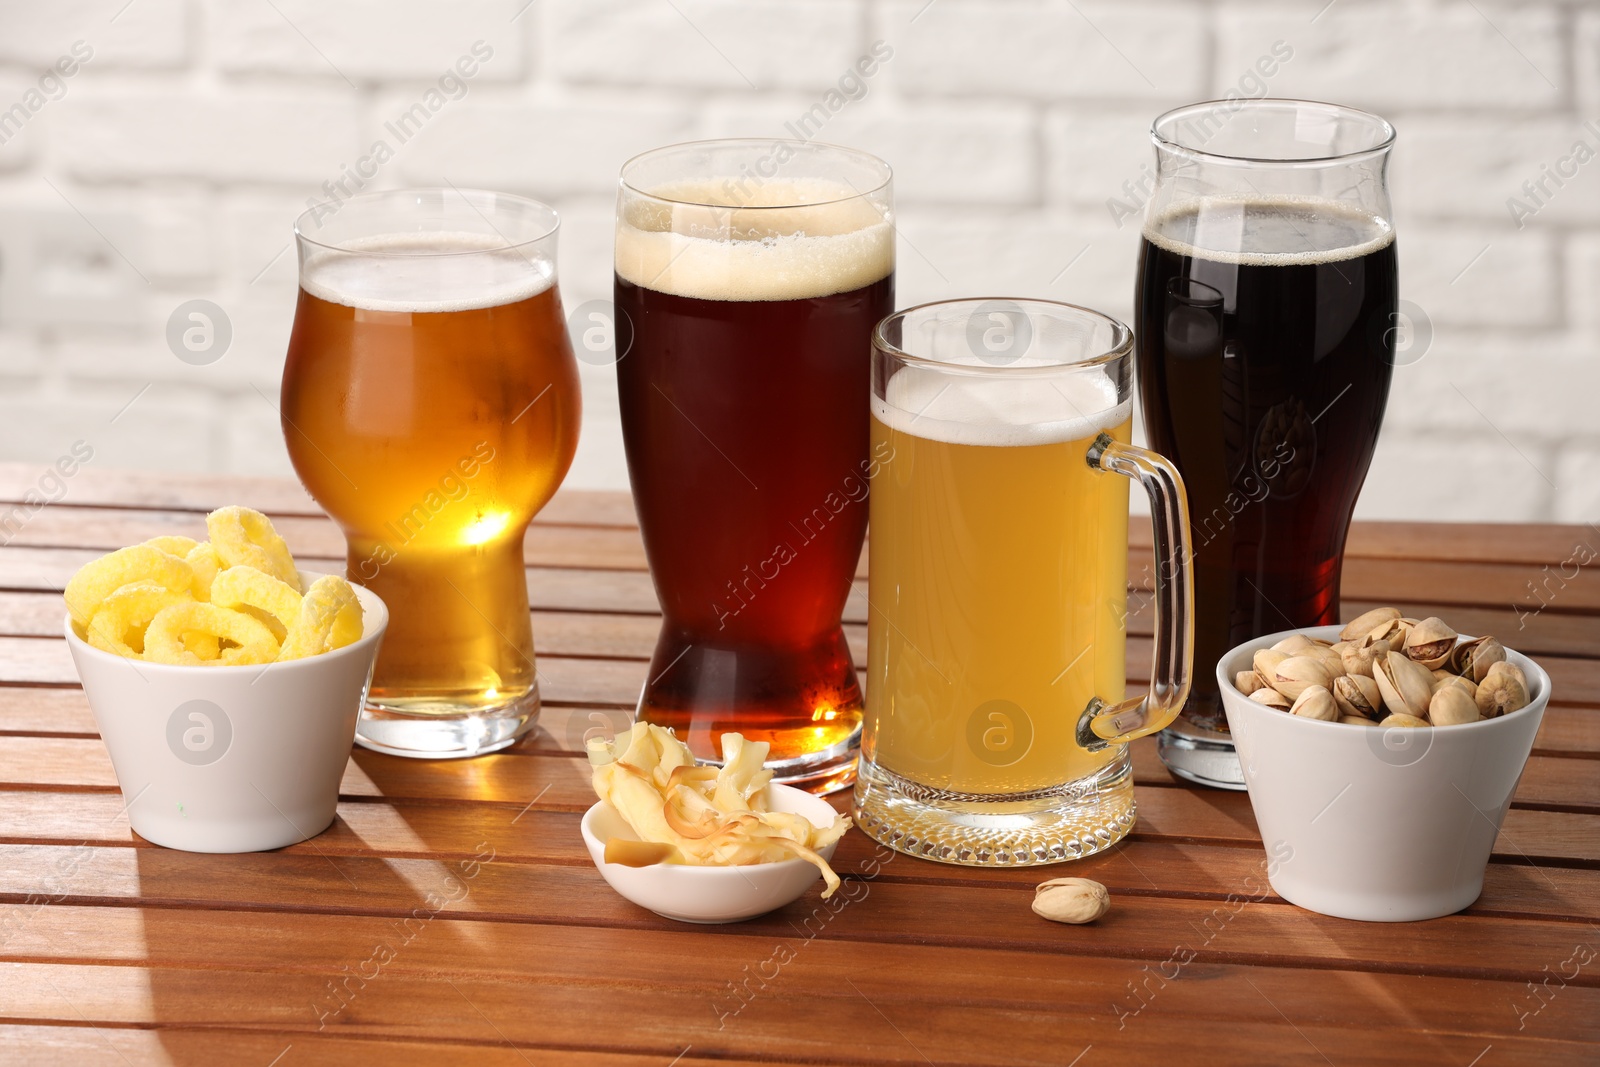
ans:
(1264, 357)
(744, 402)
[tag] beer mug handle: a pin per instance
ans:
(1109, 724)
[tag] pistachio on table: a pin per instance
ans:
(1071, 900)
(1387, 669)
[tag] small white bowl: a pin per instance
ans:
(709, 894)
(231, 759)
(1382, 824)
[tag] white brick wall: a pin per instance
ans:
(174, 162)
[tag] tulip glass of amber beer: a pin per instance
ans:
(751, 274)
(430, 404)
(1267, 326)
(997, 726)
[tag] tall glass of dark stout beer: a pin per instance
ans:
(751, 274)
(430, 404)
(1265, 308)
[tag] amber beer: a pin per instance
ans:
(430, 404)
(744, 414)
(1004, 564)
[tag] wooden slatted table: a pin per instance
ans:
(114, 951)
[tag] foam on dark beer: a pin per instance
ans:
(780, 240)
(1268, 231)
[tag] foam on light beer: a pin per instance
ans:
(426, 273)
(714, 242)
(1002, 411)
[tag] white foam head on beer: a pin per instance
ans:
(1268, 231)
(773, 240)
(1028, 404)
(426, 272)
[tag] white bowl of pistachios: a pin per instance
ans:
(1380, 758)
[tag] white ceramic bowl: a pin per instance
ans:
(1363, 822)
(709, 894)
(231, 759)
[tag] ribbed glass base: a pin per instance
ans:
(1051, 826)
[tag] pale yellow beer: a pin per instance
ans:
(999, 574)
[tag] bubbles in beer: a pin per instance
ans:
(426, 273)
(1269, 231)
(787, 240)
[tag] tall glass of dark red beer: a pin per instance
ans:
(750, 274)
(1267, 308)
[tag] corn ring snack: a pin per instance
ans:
(100, 578)
(244, 537)
(164, 640)
(206, 563)
(246, 587)
(173, 544)
(205, 647)
(330, 618)
(119, 623)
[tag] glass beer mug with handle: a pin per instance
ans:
(430, 404)
(997, 723)
(1267, 312)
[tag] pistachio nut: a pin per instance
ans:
(1408, 721)
(1357, 694)
(1455, 681)
(1266, 659)
(1315, 702)
(1472, 659)
(1071, 900)
(1356, 720)
(1340, 646)
(1405, 686)
(1271, 698)
(1249, 681)
(1452, 706)
(1430, 642)
(1294, 644)
(1390, 635)
(1504, 689)
(1357, 657)
(1295, 674)
(1368, 621)
(1328, 658)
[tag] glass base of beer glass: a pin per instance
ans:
(805, 702)
(1071, 822)
(435, 731)
(1199, 755)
